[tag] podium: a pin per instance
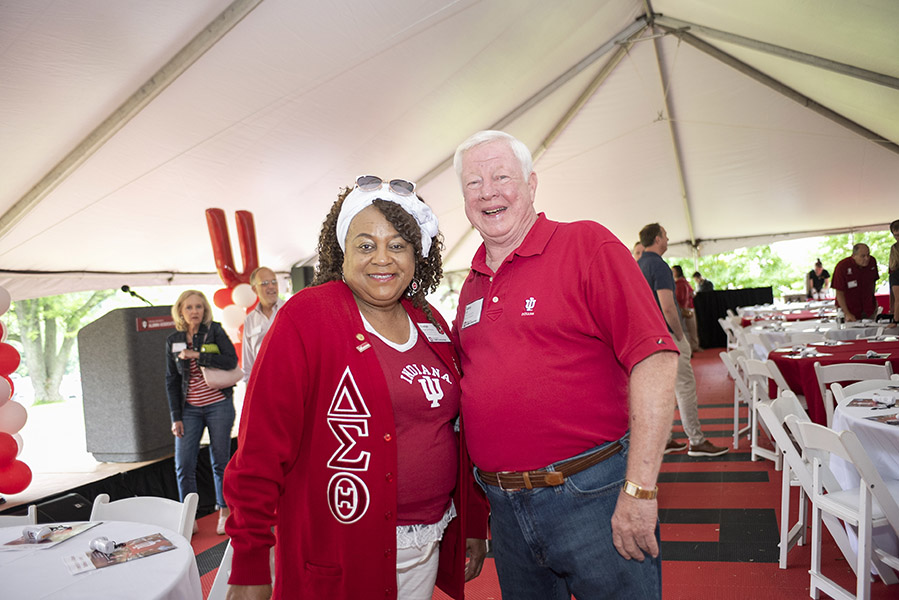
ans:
(122, 356)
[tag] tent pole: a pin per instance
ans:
(187, 56)
(787, 91)
(794, 55)
(675, 143)
(575, 108)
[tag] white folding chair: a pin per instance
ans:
(219, 588)
(871, 504)
(171, 514)
(841, 392)
(828, 374)
(741, 394)
(758, 374)
(30, 518)
(728, 329)
(795, 472)
(755, 346)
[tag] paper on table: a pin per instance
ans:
(61, 532)
(141, 547)
(888, 419)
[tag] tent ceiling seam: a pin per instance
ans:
(96, 139)
(788, 53)
(783, 89)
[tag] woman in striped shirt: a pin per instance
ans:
(199, 342)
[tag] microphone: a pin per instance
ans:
(128, 290)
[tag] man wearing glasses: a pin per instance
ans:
(265, 284)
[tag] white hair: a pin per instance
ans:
(518, 148)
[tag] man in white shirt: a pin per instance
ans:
(265, 284)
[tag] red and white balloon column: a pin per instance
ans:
(14, 474)
(237, 298)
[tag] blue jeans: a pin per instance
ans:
(219, 418)
(552, 542)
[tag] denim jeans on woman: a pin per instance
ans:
(219, 419)
(552, 542)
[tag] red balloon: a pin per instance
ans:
(14, 477)
(9, 359)
(222, 298)
(237, 346)
(8, 449)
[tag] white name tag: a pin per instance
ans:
(432, 333)
(178, 347)
(851, 284)
(472, 313)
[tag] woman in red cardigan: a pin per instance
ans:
(349, 441)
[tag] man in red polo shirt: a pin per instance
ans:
(854, 279)
(568, 389)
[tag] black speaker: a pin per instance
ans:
(301, 277)
(71, 507)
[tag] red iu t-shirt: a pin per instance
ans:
(425, 397)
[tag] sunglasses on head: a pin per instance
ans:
(369, 183)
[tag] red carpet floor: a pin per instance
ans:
(719, 520)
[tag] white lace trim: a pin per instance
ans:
(418, 536)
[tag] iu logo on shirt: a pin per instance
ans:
(529, 305)
(429, 378)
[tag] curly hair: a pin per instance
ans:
(428, 270)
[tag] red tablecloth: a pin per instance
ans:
(800, 372)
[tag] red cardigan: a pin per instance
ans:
(316, 457)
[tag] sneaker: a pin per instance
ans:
(706, 448)
(673, 446)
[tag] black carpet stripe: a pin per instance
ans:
(210, 559)
(745, 535)
(729, 457)
(716, 477)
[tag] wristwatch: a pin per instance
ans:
(641, 493)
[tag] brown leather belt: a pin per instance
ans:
(515, 480)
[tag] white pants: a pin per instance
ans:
(416, 572)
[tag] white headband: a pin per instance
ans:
(357, 200)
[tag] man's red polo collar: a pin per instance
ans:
(534, 244)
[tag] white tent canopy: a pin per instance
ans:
(732, 123)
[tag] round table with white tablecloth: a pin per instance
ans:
(880, 440)
(38, 572)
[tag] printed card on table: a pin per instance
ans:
(141, 547)
(888, 419)
(58, 534)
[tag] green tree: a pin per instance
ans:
(47, 328)
(759, 266)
